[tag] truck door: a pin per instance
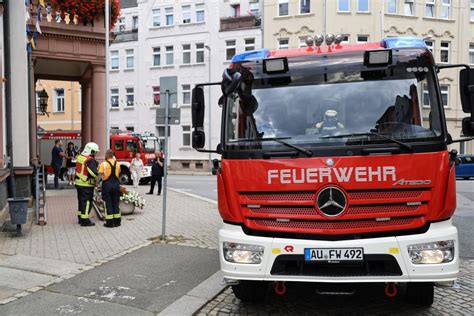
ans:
(132, 148)
(119, 149)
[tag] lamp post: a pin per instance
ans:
(209, 108)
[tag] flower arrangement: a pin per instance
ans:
(87, 10)
(132, 197)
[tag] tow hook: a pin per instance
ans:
(391, 290)
(280, 288)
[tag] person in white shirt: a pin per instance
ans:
(136, 167)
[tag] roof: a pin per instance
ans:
(124, 4)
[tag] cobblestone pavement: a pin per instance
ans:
(190, 222)
(300, 300)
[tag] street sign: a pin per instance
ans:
(174, 116)
(168, 84)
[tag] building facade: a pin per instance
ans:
(193, 40)
(446, 25)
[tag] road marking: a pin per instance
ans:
(194, 196)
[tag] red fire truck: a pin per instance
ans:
(125, 145)
(335, 168)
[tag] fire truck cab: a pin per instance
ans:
(335, 168)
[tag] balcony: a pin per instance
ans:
(240, 22)
(125, 35)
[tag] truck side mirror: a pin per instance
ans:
(198, 107)
(199, 139)
(466, 84)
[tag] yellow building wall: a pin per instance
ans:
(70, 118)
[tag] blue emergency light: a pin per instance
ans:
(403, 42)
(251, 55)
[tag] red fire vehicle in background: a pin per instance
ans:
(335, 168)
(125, 145)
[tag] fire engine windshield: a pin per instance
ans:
(334, 100)
(150, 144)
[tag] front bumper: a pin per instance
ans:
(146, 172)
(394, 246)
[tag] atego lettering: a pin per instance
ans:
(324, 175)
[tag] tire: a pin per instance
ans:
(250, 291)
(420, 293)
(125, 177)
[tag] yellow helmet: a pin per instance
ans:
(90, 149)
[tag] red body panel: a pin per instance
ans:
(284, 199)
(122, 154)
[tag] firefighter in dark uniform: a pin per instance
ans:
(109, 171)
(86, 178)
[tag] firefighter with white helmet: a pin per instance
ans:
(86, 174)
(330, 124)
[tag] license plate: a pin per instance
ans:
(334, 254)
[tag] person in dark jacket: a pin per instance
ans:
(157, 172)
(57, 156)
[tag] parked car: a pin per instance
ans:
(465, 166)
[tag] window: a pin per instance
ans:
(430, 8)
(114, 98)
(131, 145)
(156, 13)
(345, 38)
(186, 54)
(121, 24)
(445, 94)
(343, 5)
(118, 145)
(199, 52)
(130, 58)
(254, 8)
(59, 100)
(200, 16)
(135, 22)
(426, 96)
(156, 95)
(230, 49)
(362, 5)
(408, 7)
(114, 60)
(169, 55)
(392, 6)
(186, 135)
(445, 9)
(186, 11)
(169, 16)
(303, 41)
(305, 6)
(362, 38)
(283, 43)
(444, 52)
(186, 94)
(130, 97)
(430, 45)
(472, 10)
(249, 44)
(235, 10)
(156, 56)
(471, 53)
(282, 7)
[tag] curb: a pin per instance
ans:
(194, 196)
(192, 301)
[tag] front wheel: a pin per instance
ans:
(125, 177)
(250, 291)
(420, 293)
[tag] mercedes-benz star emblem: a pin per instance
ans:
(330, 162)
(331, 201)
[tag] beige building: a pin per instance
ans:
(64, 105)
(446, 25)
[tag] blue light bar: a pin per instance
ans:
(251, 55)
(403, 42)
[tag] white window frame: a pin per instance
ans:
(249, 46)
(348, 40)
(186, 14)
(303, 41)
(200, 8)
(359, 41)
(129, 56)
(368, 6)
(235, 10)
(442, 49)
(169, 12)
(186, 133)
(114, 56)
(186, 94)
(117, 96)
(59, 101)
(127, 94)
(396, 6)
(447, 6)
(135, 22)
(156, 18)
(283, 46)
(339, 6)
(446, 92)
(155, 93)
(283, 2)
(186, 53)
(168, 53)
(411, 4)
(254, 7)
(199, 51)
(427, 92)
(471, 53)
(431, 47)
(121, 24)
(432, 5)
(156, 53)
(300, 7)
(230, 47)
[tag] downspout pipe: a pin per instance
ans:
(8, 97)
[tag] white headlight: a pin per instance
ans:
(242, 253)
(432, 253)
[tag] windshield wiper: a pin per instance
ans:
(393, 140)
(279, 140)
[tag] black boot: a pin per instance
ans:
(117, 222)
(109, 223)
(149, 193)
(79, 219)
(87, 222)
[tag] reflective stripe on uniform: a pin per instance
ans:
(117, 215)
(86, 214)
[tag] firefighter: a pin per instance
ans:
(330, 124)
(86, 177)
(109, 172)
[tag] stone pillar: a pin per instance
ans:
(98, 113)
(86, 111)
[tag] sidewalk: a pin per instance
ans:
(61, 249)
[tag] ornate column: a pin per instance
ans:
(98, 113)
(86, 109)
